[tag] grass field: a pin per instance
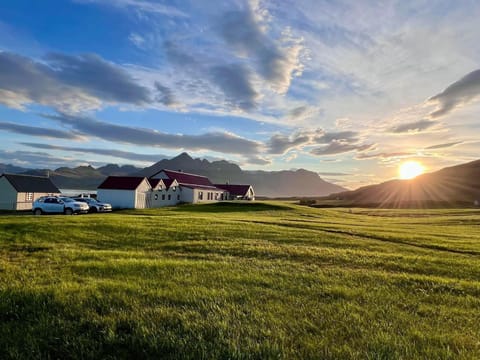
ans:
(244, 281)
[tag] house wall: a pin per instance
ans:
(25, 200)
(202, 196)
(187, 195)
(142, 195)
(120, 199)
(159, 198)
(8, 195)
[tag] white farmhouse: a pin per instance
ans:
(193, 188)
(18, 192)
(125, 192)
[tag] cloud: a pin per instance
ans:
(37, 159)
(444, 145)
(340, 136)
(384, 155)
(235, 82)
(215, 141)
(107, 152)
(139, 5)
(137, 40)
(413, 127)
(338, 147)
(281, 144)
(66, 82)
(326, 173)
(459, 93)
(41, 132)
(244, 31)
(165, 95)
(257, 160)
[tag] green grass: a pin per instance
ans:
(242, 281)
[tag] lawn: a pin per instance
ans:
(241, 281)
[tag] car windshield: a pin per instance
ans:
(67, 199)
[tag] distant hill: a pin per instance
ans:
(286, 183)
(456, 184)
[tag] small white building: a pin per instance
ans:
(125, 192)
(238, 192)
(18, 192)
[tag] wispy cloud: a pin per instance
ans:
(215, 141)
(413, 127)
(459, 93)
(69, 83)
(339, 147)
(245, 31)
(444, 145)
(41, 132)
(139, 5)
(385, 155)
(105, 152)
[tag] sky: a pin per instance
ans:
(348, 89)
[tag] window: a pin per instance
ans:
(156, 197)
(169, 197)
(216, 196)
(178, 197)
(29, 197)
(174, 188)
(163, 196)
(200, 195)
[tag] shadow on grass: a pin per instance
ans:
(222, 207)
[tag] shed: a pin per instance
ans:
(125, 192)
(238, 192)
(18, 192)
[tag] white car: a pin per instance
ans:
(58, 205)
(95, 205)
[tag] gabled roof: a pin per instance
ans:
(154, 182)
(187, 179)
(234, 189)
(121, 182)
(169, 182)
(29, 183)
(201, 187)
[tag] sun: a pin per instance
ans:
(410, 169)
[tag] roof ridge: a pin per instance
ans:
(182, 172)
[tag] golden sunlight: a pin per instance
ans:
(410, 169)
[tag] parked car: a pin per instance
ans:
(58, 205)
(95, 205)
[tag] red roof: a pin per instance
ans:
(154, 182)
(168, 182)
(213, 188)
(188, 179)
(121, 182)
(238, 190)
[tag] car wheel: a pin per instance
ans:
(38, 212)
(68, 211)
(93, 209)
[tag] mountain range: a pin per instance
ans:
(451, 185)
(287, 183)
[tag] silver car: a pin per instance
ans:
(58, 205)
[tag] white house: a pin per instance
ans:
(193, 188)
(18, 192)
(125, 192)
(238, 192)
